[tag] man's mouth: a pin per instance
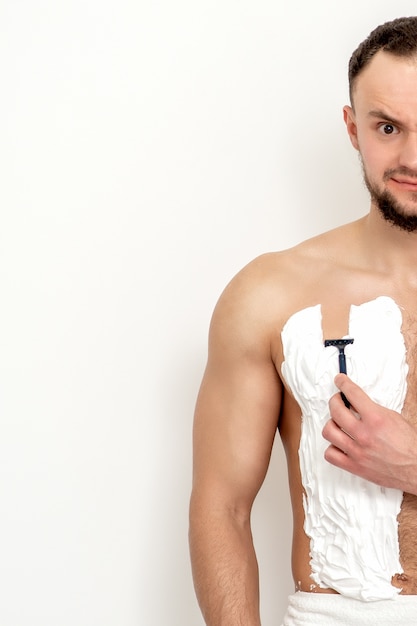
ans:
(405, 183)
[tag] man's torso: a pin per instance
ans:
(321, 284)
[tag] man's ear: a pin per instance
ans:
(352, 129)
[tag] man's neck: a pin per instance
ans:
(390, 248)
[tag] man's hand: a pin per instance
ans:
(371, 441)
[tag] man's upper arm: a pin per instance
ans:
(238, 405)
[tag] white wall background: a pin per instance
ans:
(148, 150)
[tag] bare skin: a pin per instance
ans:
(243, 400)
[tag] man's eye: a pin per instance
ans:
(388, 129)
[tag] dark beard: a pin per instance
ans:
(390, 209)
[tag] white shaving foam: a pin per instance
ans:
(352, 523)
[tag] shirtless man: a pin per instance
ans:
(354, 558)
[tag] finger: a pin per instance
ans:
(337, 457)
(356, 396)
(338, 437)
(346, 419)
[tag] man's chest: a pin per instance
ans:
(374, 343)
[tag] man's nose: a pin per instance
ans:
(408, 157)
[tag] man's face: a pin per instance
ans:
(383, 127)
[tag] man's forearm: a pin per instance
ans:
(225, 569)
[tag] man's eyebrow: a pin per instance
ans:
(380, 114)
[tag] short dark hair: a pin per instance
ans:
(399, 37)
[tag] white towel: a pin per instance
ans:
(326, 609)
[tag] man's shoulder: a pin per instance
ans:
(274, 284)
(329, 246)
(313, 255)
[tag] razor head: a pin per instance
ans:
(338, 343)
